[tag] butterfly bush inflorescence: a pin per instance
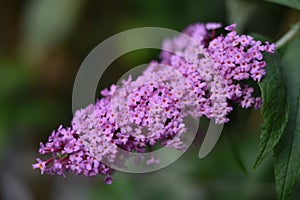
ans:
(214, 72)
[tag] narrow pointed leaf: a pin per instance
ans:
(289, 3)
(274, 108)
(287, 152)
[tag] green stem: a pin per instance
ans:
(288, 36)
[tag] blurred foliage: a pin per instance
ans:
(43, 28)
(287, 159)
(42, 44)
(290, 3)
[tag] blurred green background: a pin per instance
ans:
(42, 44)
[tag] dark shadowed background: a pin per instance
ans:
(42, 44)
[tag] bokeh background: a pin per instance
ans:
(42, 44)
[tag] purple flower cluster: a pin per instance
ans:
(200, 74)
(154, 107)
(69, 154)
(237, 58)
(217, 67)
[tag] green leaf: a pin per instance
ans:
(289, 3)
(274, 108)
(287, 152)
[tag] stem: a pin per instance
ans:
(288, 36)
(49, 161)
(213, 34)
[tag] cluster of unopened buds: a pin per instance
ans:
(200, 74)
